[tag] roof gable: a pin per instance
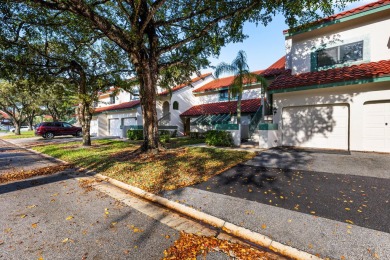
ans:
(125, 105)
(220, 83)
(201, 77)
(343, 15)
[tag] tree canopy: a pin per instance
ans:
(164, 39)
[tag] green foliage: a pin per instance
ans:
(135, 134)
(197, 135)
(219, 138)
(165, 138)
(242, 76)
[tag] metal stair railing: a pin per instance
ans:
(164, 120)
(255, 120)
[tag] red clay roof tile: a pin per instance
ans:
(203, 76)
(247, 106)
(220, 83)
(355, 72)
(353, 11)
(275, 69)
(124, 105)
(3, 115)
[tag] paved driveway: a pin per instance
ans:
(350, 163)
(336, 204)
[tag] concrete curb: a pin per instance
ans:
(227, 227)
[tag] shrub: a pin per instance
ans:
(135, 134)
(165, 138)
(174, 134)
(219, 138)
(197, 135)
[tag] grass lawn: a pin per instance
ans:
(23, 134)
(168, 170)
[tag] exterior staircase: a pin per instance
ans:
(254, 125)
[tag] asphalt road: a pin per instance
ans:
(53, 217)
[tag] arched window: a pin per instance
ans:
(175, 105)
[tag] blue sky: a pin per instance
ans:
(265, 45)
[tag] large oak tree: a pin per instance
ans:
(161, 36)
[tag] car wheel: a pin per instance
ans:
(49, 135)
(79, 134)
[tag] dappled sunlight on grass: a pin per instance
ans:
(170, 169)
(23, 134)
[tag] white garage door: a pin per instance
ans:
(376, 127)
(115, 129)
(316, 126)
(94, 127)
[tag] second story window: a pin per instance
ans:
(224, 95)
(112, 99)
(134, 95)
(341, 54)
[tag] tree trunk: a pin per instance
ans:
(17, 127)
(239, 108)
(148, 81)
(85, 117)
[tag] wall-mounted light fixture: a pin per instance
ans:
(388, 44)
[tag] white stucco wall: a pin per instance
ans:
(354, 96)
(103, 119)
(372, 31)
(186, 99)
(121, 97)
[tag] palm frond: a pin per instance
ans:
(223, 68)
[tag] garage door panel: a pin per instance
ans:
(316, 126)
(376, 134)
(115, 127)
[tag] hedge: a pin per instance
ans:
(219, 138)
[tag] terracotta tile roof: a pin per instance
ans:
(356, 10)
(3, 115)
(220, 83)
(124, 105)
(275, 69)
(355, 72)
(247, 106)
(353, 11)
(203, 76)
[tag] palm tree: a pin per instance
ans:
(242, 76)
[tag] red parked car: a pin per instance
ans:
(50, 129)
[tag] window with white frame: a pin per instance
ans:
(112, 99)
(134, 95)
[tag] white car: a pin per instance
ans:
(22, 128)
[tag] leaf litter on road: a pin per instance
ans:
(189, 246)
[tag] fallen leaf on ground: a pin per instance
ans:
(189, 246)
(20, 175)
(23, 216)
(349, 221)
(31, 206)
(34, 225)
(69, 218)
(263, 226)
